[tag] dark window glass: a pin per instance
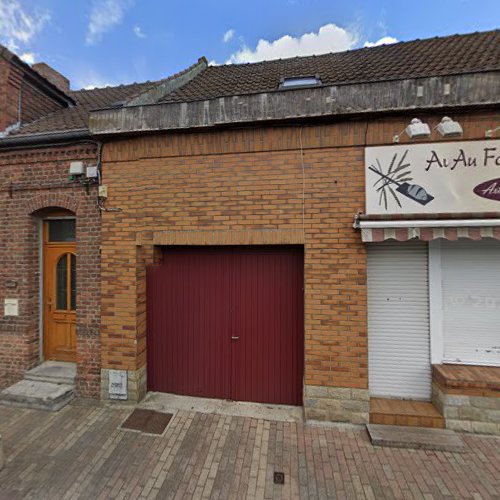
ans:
(62, 230)
(300, 81)
(62, 283)
(73, 282)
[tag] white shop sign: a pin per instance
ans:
(445, 177)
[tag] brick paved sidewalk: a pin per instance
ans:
(79, 452)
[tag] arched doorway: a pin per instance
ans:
(59, 286)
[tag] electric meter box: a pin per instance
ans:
(76, 168)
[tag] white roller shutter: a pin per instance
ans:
(471, 301)
(398, 320)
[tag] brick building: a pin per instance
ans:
(247, 258)
(260, 242)
(50, 223)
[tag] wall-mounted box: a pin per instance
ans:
(92, 172)
(76, 168)
(11, 307)
(118, 384)
(103, 191)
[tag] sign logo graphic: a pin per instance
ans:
(489, 189)
(395, 182)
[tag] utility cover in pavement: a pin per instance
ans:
(420, 438)
(148, 421)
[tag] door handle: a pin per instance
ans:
(234, 338)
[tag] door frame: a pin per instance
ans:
(52, 215)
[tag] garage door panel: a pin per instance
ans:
(186, 306)
(200, 298)
(268, 319)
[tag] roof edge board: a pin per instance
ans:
(34, 76)
(167, 86)
(379, 97)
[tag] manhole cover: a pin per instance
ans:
(279, 478)
(149, 421)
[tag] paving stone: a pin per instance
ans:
(81, 453)
(419, 438)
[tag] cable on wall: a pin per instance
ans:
(303, 184)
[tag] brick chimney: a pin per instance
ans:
(53, 76)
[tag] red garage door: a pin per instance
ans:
(227, 323)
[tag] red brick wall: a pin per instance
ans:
(237, 182)
(8, 114)
(34, 103)
(31, 181)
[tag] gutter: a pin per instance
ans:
(44, 139)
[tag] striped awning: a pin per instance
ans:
(426, 230)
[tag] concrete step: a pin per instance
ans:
(420, 438)
(38, 395)
(55, 372)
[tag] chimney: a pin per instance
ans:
(53, 76)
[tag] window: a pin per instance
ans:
(62, 230)
(299, 81)
(62, 283)
(66, 282)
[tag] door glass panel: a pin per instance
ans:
(73, 282)
(62, 283)
(62, 230)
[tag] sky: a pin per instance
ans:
(96, 43)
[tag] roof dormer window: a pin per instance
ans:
(299, 81)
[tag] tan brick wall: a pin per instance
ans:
(217, 186)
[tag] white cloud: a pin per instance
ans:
(104, 15)
(386, 40)
(87, 78)
(228, 35)
(138, 32)
(329, 38)
(19, 27)
(28, 57)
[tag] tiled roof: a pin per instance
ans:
(475, 52)
(77, 117)
(454, 54)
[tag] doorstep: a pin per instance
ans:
(405, 413)
(49, 386)
(418, 438)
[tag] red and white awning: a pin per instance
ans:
(426, 230)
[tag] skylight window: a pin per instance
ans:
(299, 81)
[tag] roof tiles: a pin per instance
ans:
(456, 54)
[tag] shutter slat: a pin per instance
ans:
(398, 320)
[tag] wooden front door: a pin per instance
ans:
(59, 290)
